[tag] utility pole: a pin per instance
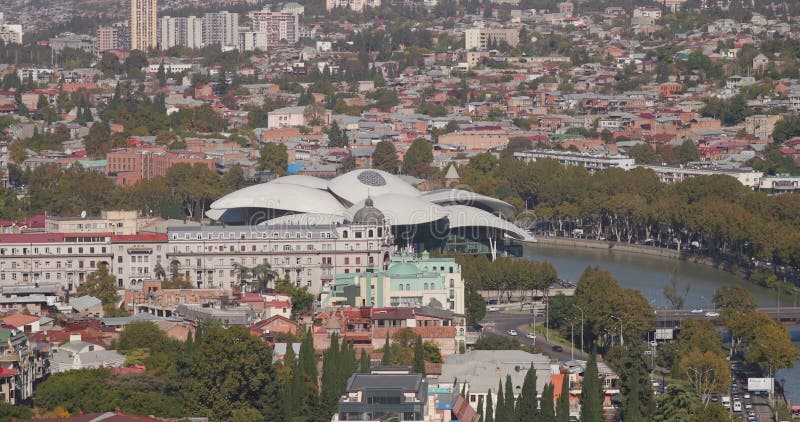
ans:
(581, 309)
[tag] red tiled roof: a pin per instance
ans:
(139, 237)
(6, 373)
(19, 320)
(31, 237)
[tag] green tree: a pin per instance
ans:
(387, 351)
(385, 157)
(508, 400)
(418, 158)
(687, 152)
(489, 413)
(98, 141)
(591, 392)
(231, 370)
(562, 403)
(480, 408)
(500, 410)
(547, 405)
(475, 304)
(9, 412)
(785, 129)
(337, 137)
(100, 284)
(145, 335)
(491, 341)
(638, 402)
(364, 364)
(527, 402)
(419, 357)
(274, 158)
(484, 162)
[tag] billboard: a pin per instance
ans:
(759, 384)
(664, 333)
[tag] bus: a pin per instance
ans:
(737, 406)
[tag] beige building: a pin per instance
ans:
(144, 24)
(482, 38)
(296, 116)
(354, 5)
(760, 125)
(477, 140)
(113, 222)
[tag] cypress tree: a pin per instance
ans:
(591, 392)
(419, 357)
(638, 401)
(562, 404)
(528, 403)
(480, 408)
(297, 394)
(289, 357)
(365, 362)
(387, 351)
(509, 399)
(489, 415)
(548, 412)
(500, 409)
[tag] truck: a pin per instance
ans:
(726, 401)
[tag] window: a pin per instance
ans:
(426, 286)
(346, 261)
(344, 235)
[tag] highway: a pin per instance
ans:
(501, 322)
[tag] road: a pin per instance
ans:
(787, 313)
(761, 409)
(501, 322)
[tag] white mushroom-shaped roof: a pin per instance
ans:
(356, 185)
(464, 197)
(464, 216)
(281, 196)
(302, 180)
(306, 220)
(402, 210)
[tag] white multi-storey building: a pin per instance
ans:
(180, 31)
(279, 26)
(221, 28)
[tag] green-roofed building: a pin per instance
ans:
(409, 281)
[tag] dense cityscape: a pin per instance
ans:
(366, 210)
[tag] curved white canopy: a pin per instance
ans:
(281, 196)
(356, 185)
(464, 197)
(306, 220)
(302, 180)
(465, 216)
(402, 210)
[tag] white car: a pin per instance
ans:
(697, 311)
(746, 396)
(712, 314)
(512, 332)
(531, 336)
(493, 309)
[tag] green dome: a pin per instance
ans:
(403, 268)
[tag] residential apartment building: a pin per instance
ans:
(294, 116)
(114, 222)
(279, 27)
(673, 174)
(11, 34)
(377, 396)
(221, 28)
(180, 31)
(128, 166)
(354, 5)
(592, 162)
(760, 125)
(251, 40)
(144, 24)
(114, 37)
(482, 38)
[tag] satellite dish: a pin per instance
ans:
(83, 214)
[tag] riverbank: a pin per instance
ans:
(640, 249)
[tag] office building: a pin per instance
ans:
(221, 28)
(144, 24)
(483, 38)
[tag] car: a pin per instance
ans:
(531, 336)
(512, 332)
(748, 406)
(697, 311)
(746, 396)
(712, 314)
(557, 348)
(493, 309)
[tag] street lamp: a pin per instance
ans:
(572, 339)
(621, 340)
(580, 309)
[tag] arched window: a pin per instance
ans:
(433, 286)
(426, 286)
(344, 234)
(451, 270)
(408, 287)
(401, 287)
(370, 233)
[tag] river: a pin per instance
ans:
(650, 274)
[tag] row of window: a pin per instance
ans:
(46, 264)
(265, 248)
(56, 250)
